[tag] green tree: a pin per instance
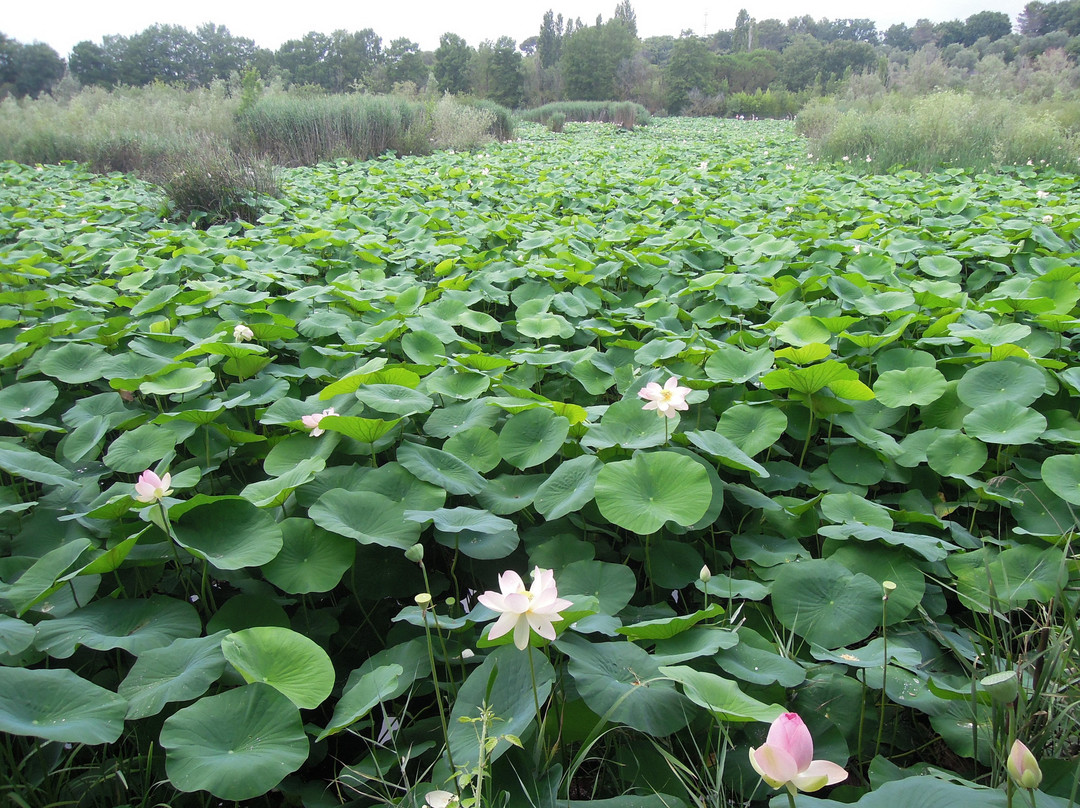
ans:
(742, 38)
(625, 12)
(990, 24)
(549, 43)
(304, 60)
(452, 59)
(800, 63)
(899, 36)
(404, 63)
(92, 65)
(592, 57)
(506, 84)
(352, 59)
(692, 67)
(772, 35)
(37, 68)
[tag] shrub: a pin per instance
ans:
(589, 112)
(556, 121)
(214, 184)
(456, 126)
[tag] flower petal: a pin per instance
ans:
(788, 732)
(775, 766)
(826, 770)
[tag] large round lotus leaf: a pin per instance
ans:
(569, 488)
(901, 388)
(531, 437)
(135, 625)
(247, 611)
(75, 363)
(287, 661)
(369, 518)
(477, 447)
(752, 428)
(1005, 422)
(26, 399)
(237, 745)
(58, 706)
(439, 468)
(729, 363)
(650, 489)
(803, 331)
(673, 564)
(993, 382)
(179, 672)
(311, 559)
(510, 493)
(446, 421)
(182, 380)
(609, 677)
(849, 507)
(394, 399)
(229, 532)
(1061, 473)
(140, 449)
(826, 604)
(611, 584)
(856, 464)
(423, 348)
(626, 424)
(886, 564)
(956, 454)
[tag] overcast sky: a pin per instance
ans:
(62, 24)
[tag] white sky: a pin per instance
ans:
(62, 24)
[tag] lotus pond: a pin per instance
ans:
(414, 388)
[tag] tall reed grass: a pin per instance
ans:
(943, 129)
(622, 113)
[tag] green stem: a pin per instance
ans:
(438, 698)
(791, 796)
(536, 700)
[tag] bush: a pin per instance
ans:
(556, 121)
(214, 184)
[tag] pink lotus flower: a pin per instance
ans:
(151, 488)
(667, 399)
(524, 609)
(312, 421)
(785, 758)
(1023, 767)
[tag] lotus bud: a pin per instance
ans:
(1003, 687)
(415, 553)
(705, 575)
(1023, 767)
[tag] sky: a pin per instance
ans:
(62, 24)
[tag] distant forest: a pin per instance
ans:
(567, 59)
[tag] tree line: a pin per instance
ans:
(566, 60)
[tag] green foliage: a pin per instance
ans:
(587, 112)
(412, 375)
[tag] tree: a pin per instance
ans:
(92, 65)
(37, 68)
(625, 12)
(692, 67)
(899, 36)
(742, 38)
(352, 59)
(452, 59)
(549, 43)
(950, 32)
(305, 59)
(404, 63)
(990, 24)
(591, 59)
(800, 63)
(506, 80)
(771, 34)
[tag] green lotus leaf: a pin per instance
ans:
(136, 626)
(529, 438)
(287, 661)
(181, 671)
(821, 601)
(367, 517)
(140, 449)
(24, 400)
(229, 532)
(902, 388)
(993, 382)
(237, 745)
(721, 697)
(649, 490)
(626, 424)
(76, 363)
(360, 698)
(955, 454)
(478, 447)
(569, 488)
(1005, 422)
(58, 705)
(752, 428)
(311, 559)
(439, 468)
(1061, 474)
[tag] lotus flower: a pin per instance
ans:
(312, 421)
(1023, 767)
(242, 333)
(523, 609)
(151, 488)
(785, 758)
(667, 399)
